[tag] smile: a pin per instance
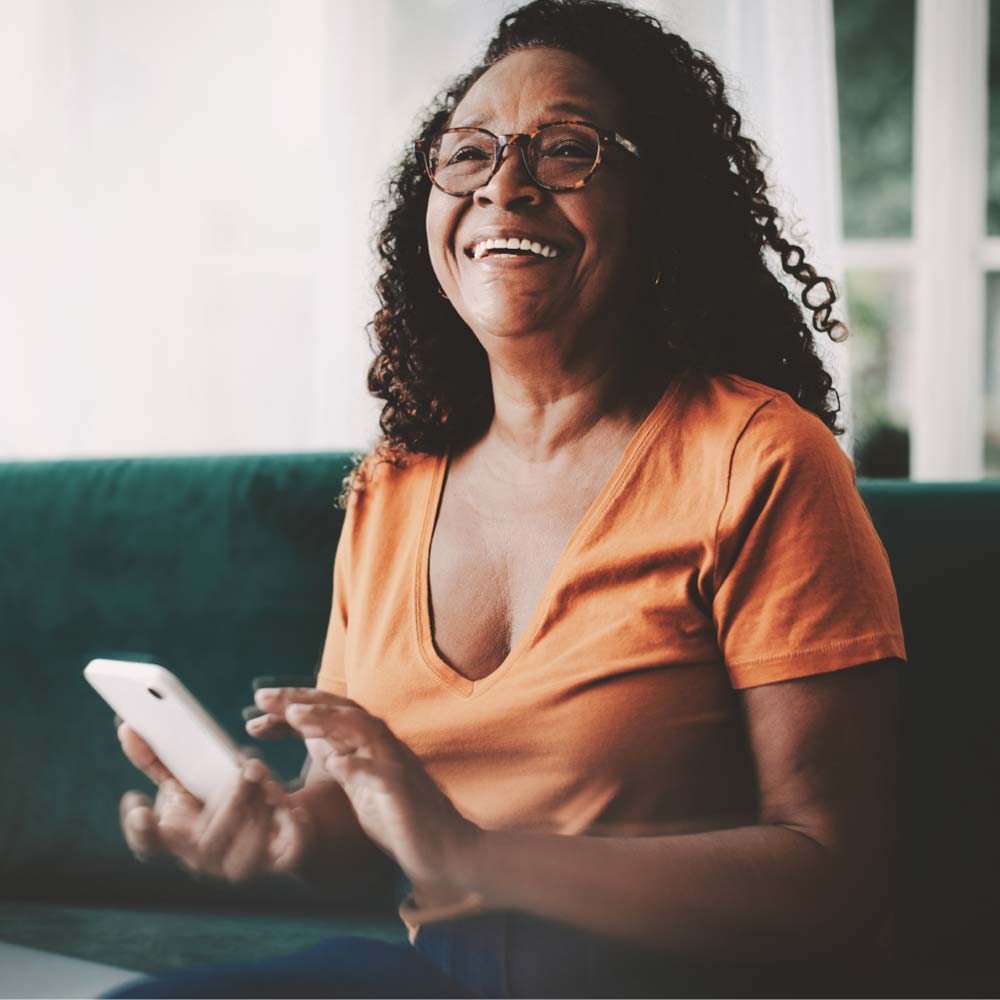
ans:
(510, 247)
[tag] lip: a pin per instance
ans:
(502, 261)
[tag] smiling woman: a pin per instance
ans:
(611, 663)
(590, 221)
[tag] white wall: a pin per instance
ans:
(185, 257)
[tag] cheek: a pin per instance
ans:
(613, 246)
(440, 221)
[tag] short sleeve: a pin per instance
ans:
(801, 582)
(331, 675)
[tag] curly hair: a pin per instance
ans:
(430, 369)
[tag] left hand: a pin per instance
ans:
(396, 801)
(249, 831)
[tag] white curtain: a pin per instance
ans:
(186, 189)
(778, 58)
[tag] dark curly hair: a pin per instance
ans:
(717, 306)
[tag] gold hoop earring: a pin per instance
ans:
(658, 285)
(663, 282)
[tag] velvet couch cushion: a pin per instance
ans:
(156, 939)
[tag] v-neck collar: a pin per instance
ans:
(431, 657)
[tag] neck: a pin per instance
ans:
(550, 420)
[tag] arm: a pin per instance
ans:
(813, 872)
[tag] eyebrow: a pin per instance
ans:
(561, 108)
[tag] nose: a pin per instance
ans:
(510, 185)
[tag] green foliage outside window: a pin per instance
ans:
(875, 60)
(993, 161)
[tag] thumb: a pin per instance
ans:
(293, 830)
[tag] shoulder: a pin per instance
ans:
(384, 506)
(382, 484)
(764, 426)
(727, 419)
(741, 404)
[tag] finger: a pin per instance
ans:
(292, 828)
(247, 853)
(172, 796)
(275, 793)
(138, 822)
(276, 700)
(283, 681)
(353, 773)
(178, 814)
(222, 825)
(348, 730)
(141, 754)
(269, 727)
(342, 766)
(177, 841)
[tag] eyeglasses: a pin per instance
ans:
(558, 156)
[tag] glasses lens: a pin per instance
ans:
(461, 159)
(563, 155)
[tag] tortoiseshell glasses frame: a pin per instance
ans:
(606, 138)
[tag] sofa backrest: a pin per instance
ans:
(221, 569)
(943, 541)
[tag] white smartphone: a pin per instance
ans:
(196, 749)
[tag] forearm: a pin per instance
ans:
(759, 892)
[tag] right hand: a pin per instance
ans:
(254, 830)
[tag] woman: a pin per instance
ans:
(598, 590)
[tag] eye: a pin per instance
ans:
(469, 152)
(569, 149)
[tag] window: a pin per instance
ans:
(919, 109)
(875, 67)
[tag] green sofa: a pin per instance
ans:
(221, 569)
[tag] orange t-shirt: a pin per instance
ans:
(728, 549)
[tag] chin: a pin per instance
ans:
(508, 319)
(506, 326)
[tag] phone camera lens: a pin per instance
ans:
(155, 693)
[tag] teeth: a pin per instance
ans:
(513, 243)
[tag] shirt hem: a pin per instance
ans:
(824, 659)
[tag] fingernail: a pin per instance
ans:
(141, 821)
(265, 696)
(253, 770)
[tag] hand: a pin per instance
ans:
(251, 831)
(262, 726)
(396, 802)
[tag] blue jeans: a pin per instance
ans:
(494, 955)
